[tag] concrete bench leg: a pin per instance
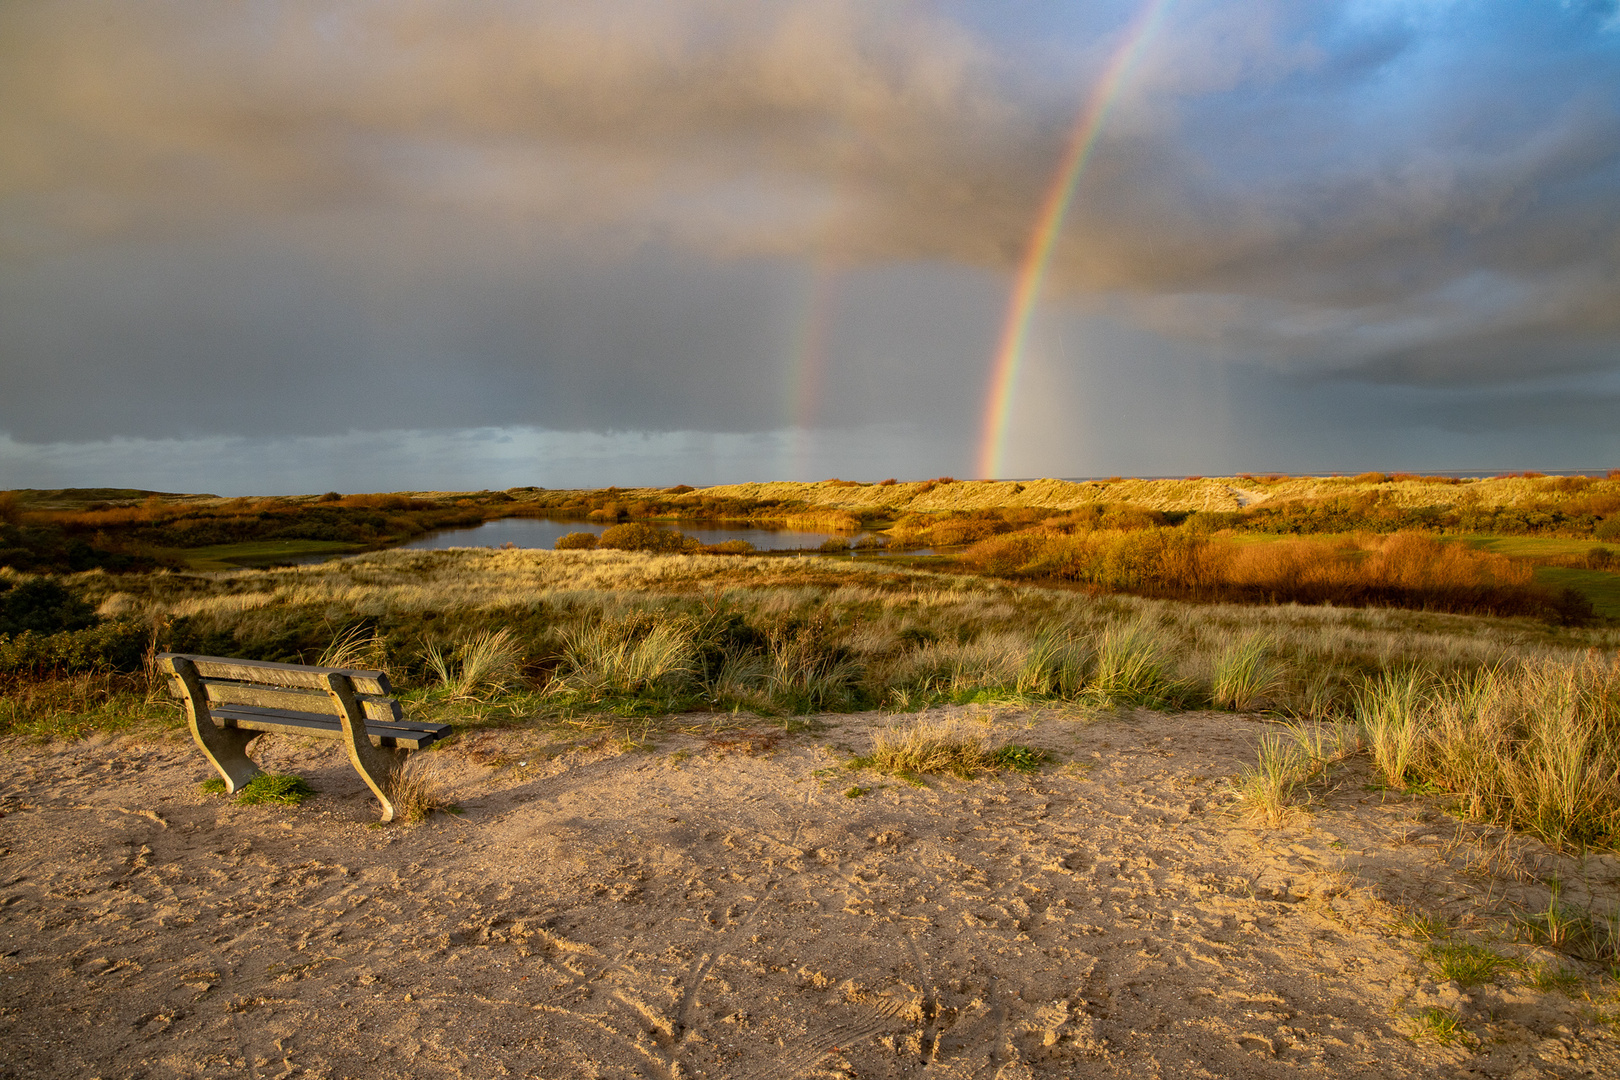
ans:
(225, 748)
(377, 765)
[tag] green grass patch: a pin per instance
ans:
(275, 788)
(259, 553)
(1599, 586)
(1550, 978)
(1441, 1025)
(1530, 547)
(1464, 963)
(74, 707)
(1018, 758)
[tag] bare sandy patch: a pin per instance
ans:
(744, 906)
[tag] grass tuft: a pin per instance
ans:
(1132, 668)
(1442, 1026)
(274, 788)
(1464, 963)
(962, 748)
(1245, 676)
(417, 789)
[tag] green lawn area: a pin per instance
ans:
(1598, 586)
(259, 553)
(1533, 547)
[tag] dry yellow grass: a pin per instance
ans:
(1203, 494)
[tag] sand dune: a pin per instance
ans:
(721, 908)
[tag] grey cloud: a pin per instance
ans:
(585, 216)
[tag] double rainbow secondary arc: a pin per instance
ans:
(1009, 353)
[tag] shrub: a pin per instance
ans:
(1608, 528)
(729, 547)
(640, 536)
(484, 665)
(576, 541)
(43, 606)
(110, 646)
(834, 545)
(1131, 668)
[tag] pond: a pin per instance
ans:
(527, 532)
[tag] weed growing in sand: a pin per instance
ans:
(1550, 978)
(1422, 925)
(1464, 963)
(274, 788)
(1535, 745)
(962, 748)
(1584, 934)
(1441, 1025)
(1388, 707)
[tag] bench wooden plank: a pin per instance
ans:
(386, 710)
(409, 736)
(263, 671)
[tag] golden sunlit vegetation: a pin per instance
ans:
(1453, 632)
(1517, 719)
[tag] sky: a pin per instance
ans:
(267, 246)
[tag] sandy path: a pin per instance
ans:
(703, 912)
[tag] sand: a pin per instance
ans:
(721, 908)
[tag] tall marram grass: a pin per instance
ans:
(627, 656)
(1534, 745)
(1133, 667)
(1245, 675)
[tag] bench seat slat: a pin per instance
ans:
(311, 701)
(262, 671)
(410, 736)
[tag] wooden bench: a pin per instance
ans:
(230, 702)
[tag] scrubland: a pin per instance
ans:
(1132, 672)
(1519, 719)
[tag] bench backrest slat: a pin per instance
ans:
(296, 675)
(293, 700)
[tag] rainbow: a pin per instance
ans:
(1009, 354)
(807, 362)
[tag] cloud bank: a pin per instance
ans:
(289, 219)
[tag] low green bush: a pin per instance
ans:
(109, 646)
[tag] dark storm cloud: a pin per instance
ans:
(320, 216)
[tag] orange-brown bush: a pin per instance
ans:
(1403, 570)
(640, 536)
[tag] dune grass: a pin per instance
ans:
(1513, 720)
(962, 748)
